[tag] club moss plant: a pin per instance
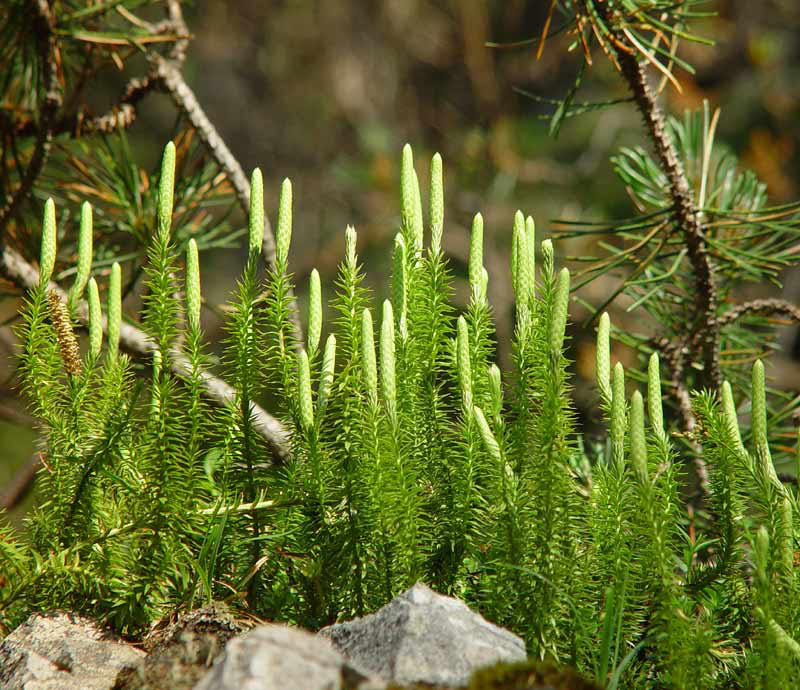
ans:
(413, 457)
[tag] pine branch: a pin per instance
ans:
(704, 331)
(53, 97)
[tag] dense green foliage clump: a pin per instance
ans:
(413, 457)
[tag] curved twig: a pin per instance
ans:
(760, 307)
(135, 341)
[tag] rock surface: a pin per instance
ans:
(180, 653)
(63, 651)
(276, 657)
(424, 637)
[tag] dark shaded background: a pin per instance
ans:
(327, 93)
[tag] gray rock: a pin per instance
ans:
(180, 650)
(63, 651)
(424, 637)
(276, 657)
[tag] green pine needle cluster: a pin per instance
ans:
(413, 457)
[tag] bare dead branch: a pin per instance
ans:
(761, 307)
(133, 340)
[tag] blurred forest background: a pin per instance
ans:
(327, 93)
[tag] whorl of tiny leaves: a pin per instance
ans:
(283, 232)
(114, 310)
(400, 283)
(166, 186)
(314, 313)
(476, 258)
(304, 391)
(369, 366)
(193, 294)
(618, 413)
(326, 375)
(463, 362)
(492, 447)
(603, 358)
(530, 237)
(436, 204)
(731, 418)
(654, 407)
(638, 443)
(47, 260)
(95, 319)
(84, 254)
(388, 387)
(558, 324)
(257, 218)
(67, 342)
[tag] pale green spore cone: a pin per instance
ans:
(731, 417)
(618, 422)
(492, 447)
(95, 320)
(476, 257)
(410, 201)
(654, 407)
(603, 358)
(495, 379)
(114, 310)
(84, 268)
(520, 273)
(400, 283)
(558, 322)
(436, 204)
(350, 242)
(463, 361)
(193, 294)
(166, 187)
(388, 387)
(314, 313)
(759, 402)
(47, 259)
(638, 443)
(256, 222)
(761, 552)
(369, 366)
(530, 237)
(787, 540)
(155, 399)
(306, 404)
(418, 226)
(326, 375)
(758, 396)
(283, 232)
(548, 260)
